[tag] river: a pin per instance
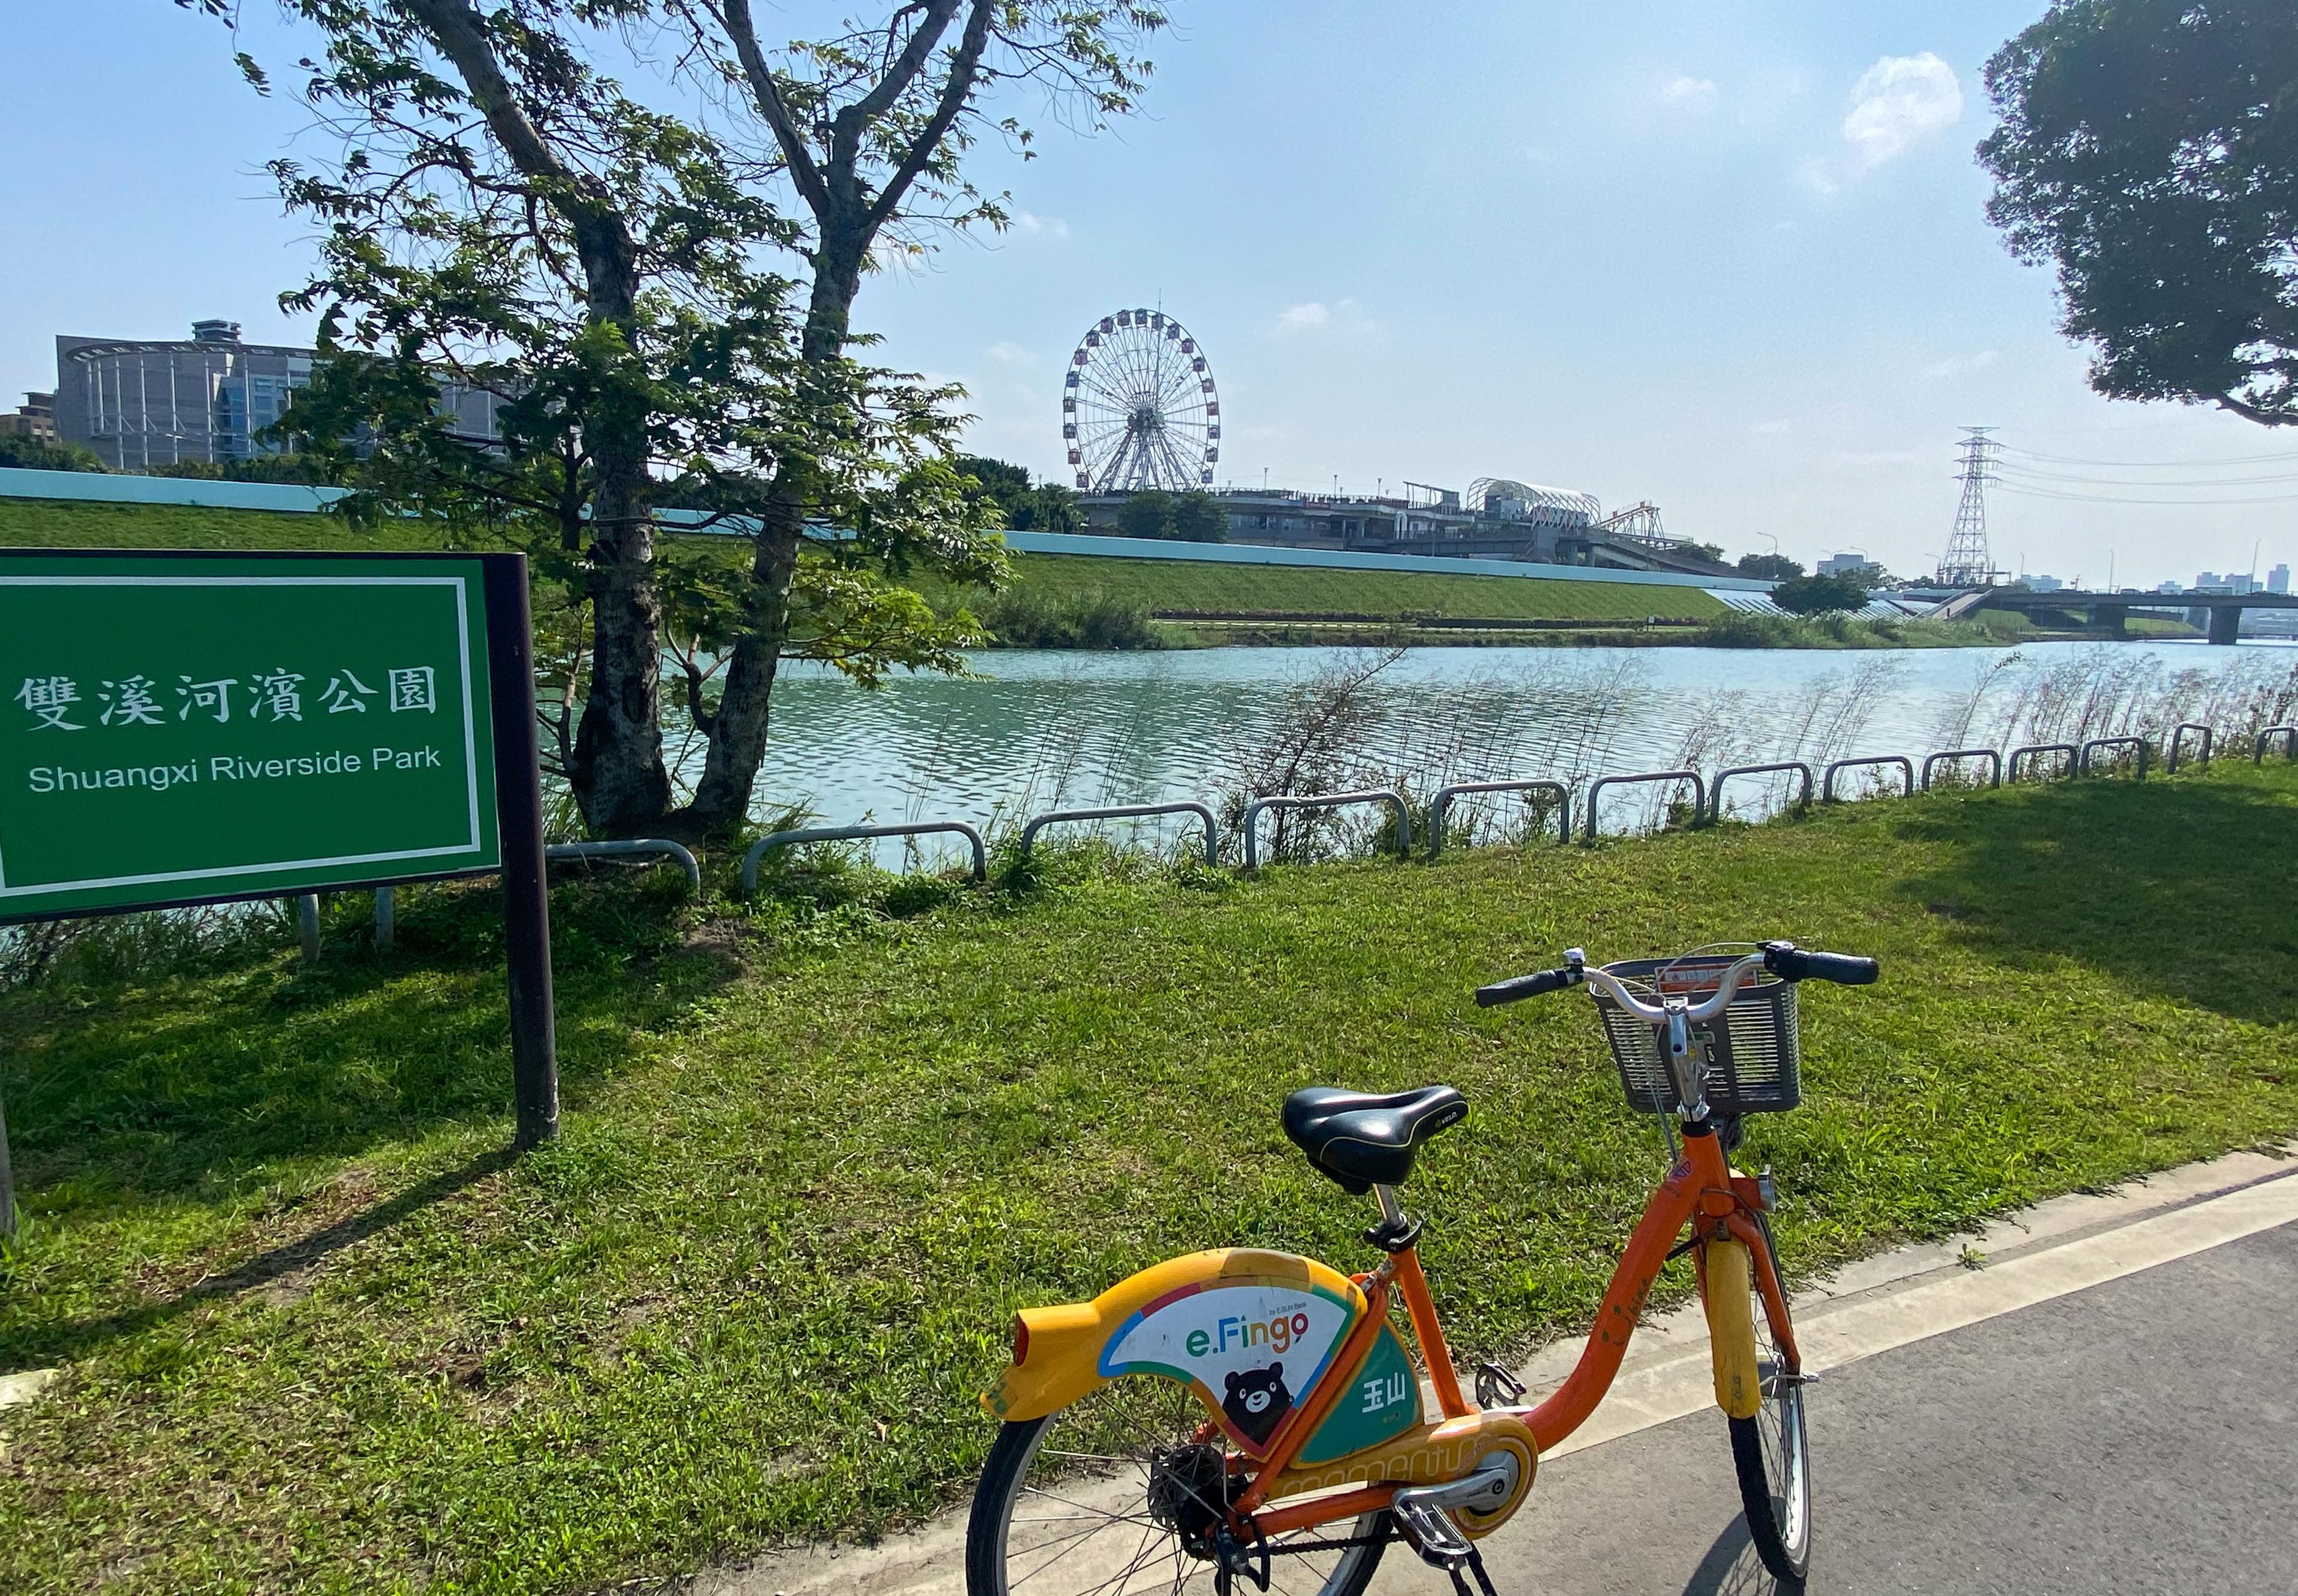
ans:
(1035, 731)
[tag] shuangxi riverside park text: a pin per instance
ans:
(232, 767)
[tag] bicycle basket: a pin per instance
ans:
(1753, 1057)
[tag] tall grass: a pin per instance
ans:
(2107, 691)
(1023, 617)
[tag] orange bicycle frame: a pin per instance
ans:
(1700, 1191)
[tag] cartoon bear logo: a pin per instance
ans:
(1256, 1400)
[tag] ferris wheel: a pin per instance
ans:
(1138, 407)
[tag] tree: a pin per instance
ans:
(25, 453)
(1198, 518)
(1770, 567)
(504, 212)
(288, 468)
(1819, 595)
(2148, 151)
(1047, 506)
(869, 129)
(1053, 507)
(1148, 514)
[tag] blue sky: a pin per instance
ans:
(1726, 257)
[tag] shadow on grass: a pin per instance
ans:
(2181, 889)
(36, 1345)
(187, 1082)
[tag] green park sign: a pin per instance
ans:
(185, 729)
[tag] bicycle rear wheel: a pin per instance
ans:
(1772, 1455)
(1117, 1496)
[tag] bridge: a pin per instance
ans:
(2108, 613)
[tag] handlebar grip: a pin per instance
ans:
(1516, 988)
(1801, 964)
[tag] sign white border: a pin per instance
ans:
(461, 585)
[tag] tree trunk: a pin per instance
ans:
(617, 774)
(737, 735)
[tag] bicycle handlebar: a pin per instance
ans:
(1516, 988)
(1790, 963)
(1784, 960)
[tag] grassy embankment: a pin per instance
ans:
(318, 1333)
(1074, 601)
(1202, 601)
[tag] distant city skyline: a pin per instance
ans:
(1725, 258)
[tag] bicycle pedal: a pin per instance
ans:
(1496, 1388)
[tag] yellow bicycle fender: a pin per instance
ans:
(1727, 1283)
(1246, 1328)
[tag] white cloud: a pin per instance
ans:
(1341, 315)
(1900, 101)
(1049, 226)
(1938, 372)
(1006, 352)
(1771, 429)
(1696, 94)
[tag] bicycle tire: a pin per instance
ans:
(1162, 1564)
(1772, 1455)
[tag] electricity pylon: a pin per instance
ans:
(1967, 563)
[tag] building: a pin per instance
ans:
(2044, 584)
(140, 404)
(2277, 580)
(2170, 587)
(36, 417)
(1497, 518)
(1853, 564)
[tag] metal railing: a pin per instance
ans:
(1707, 798)
(2082, 764)
(559, 853)
(1907, 768)
(1442, 803)
(1287, 800)
(852, 833)
(1931, 762)
(1715, 786)
(2034, 750)
(1124, 812)
(2178, 739)
(1596, 789)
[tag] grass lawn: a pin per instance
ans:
(71, 523)
(1168, 586)
(318, 1333)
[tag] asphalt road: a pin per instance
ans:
(2138, 1437)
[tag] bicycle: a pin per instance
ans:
(1222, 1467)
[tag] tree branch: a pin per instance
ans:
(734, 17)
(964, 66)
(2251, 412)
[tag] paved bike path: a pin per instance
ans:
(2109, 1405)
(2138, 1436)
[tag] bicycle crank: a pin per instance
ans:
(1439, 1518)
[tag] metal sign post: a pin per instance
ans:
(527, 897)
(194, 727)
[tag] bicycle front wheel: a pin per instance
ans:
(1119, 1495)
(1773, 1454)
